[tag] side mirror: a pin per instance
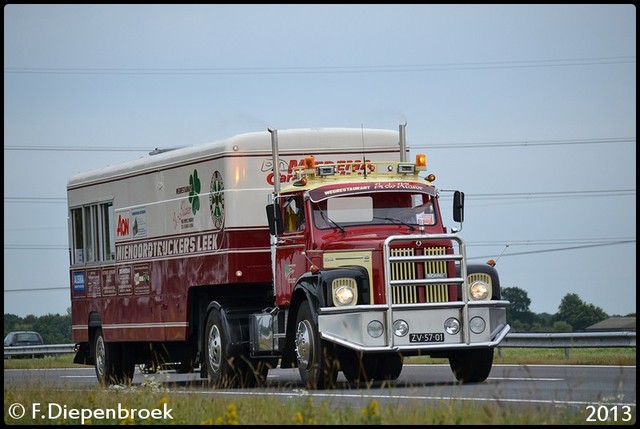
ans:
(273, 218)
(458, 206)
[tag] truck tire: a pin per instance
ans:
(356, 366)
(471, 366)
(111, 364)
(223, 368)
(316, 358)
(389, 367)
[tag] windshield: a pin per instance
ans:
(374, 209)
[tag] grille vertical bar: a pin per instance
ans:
(408, 270)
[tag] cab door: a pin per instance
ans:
(290, 246)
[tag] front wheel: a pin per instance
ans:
(358, 367)
(389, 367)
(317, 360)
(471, 366)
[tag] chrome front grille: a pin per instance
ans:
(414, 270)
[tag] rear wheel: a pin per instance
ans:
(112, 365)
(222, 366)
(317, 360)
(471, 366)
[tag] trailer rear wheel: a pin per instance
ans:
(471, 366)
(111, 364)
(224, 369)
(317, 359)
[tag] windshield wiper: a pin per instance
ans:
(331, 221)
(398, 221)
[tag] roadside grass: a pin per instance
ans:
(551, 356)
(150, 404)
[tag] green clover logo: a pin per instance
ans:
(194, 199)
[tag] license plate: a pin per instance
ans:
(426, 338)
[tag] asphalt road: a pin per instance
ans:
(583, 389)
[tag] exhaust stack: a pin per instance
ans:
(403, 142)
(276, 160)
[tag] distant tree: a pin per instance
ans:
(518, 326)
(54, 328)
(577, 313)
(561, 326)
(518, 314)
(518, 298)
(544, 319)
(10, 321)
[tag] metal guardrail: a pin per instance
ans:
(566, 340)
(570, 339)
(38, 351)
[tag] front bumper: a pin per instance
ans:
(347, 326)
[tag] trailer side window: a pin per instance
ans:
(108, 239)
(90, 227)
(93, 238)
(78, 236)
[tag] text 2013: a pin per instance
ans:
(603, 413)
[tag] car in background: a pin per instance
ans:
(24, 338)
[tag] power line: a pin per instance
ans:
(610, 140)
(78, 149)
(38, 200)
(468, 196)
(35, 289)
(404, 68)
(36, 247)
(476, 145)
(562, 249)
(554, 194)
(556, 241)
(586, 242)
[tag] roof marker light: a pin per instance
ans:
(309, 162)
(301, 181)
(326, 170)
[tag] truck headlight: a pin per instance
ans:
(345, 291)
(478, 291)
(479, 286)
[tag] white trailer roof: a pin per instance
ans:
(306, 141)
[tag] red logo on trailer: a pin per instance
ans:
(123, 227)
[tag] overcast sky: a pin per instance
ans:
(528, 109)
